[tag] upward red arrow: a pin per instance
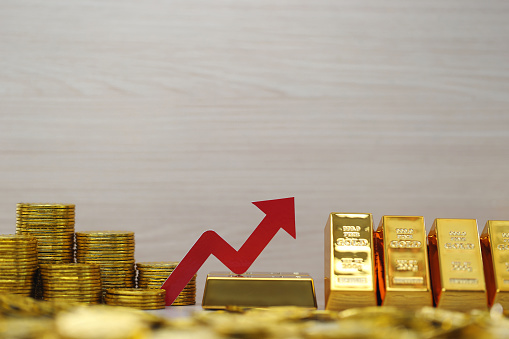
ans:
(279, 213)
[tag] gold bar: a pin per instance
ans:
(456, 265)
(262, 289)
(495, 251)
(350, 279)
(402, 262)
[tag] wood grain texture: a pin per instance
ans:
(168, 118)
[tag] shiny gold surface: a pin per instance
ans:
(456, 265)
(495, 251)
(350, 279)
(153, 274)
(402, 262)
(224, 289)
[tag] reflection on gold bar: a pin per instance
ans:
(349, 261)
(402, 262)
(260, 289)
(495, 250)
(456, 265)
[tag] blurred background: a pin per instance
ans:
(168, 118)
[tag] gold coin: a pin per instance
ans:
(73, 266)
(132, 302)
(184, 304)
(118, 255)
(55, 241)
(106, 251)
(136, 291)
(83, 281)
(19, 257)
(104, 246)
(21, 252)
(73, 287)
(153, 275)
(15, 239)
(110, 268)
(85, 299)
(55, 259)
(72, 274)
(18, 271)
(18, 264)
(119, 271)
(45, 210)
(45, 205)
(28, 217)
(157, 264)
(103, 234)
(118, 280)
(47, 234)
(116, 284)
(187, 294)
(139, 307)
(118, 274)
(43, 226)
(144, 307)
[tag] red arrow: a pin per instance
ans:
(279, 213)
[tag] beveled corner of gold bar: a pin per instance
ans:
(495, 251)
(402, 262)
(350, 279)
(258, 289)
(456, 266)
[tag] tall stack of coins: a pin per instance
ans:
(145, 299)
(18, 263)
(113, 251)
(53, 227)
(72, 282)
(154, 274)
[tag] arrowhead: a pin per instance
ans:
(280, 212)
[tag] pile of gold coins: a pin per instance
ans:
(53, 227)
(154, 274)
(71, 282)
(113, 251)
(18, 263)
(46, 259)
(22, 317)
(141, 298)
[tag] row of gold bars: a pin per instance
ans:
(398, 265)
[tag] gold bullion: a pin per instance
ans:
(402, 262)
(350, 279)
(456, 265)
(495, 251)
(258, 290)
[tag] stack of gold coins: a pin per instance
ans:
(71, 282)
(154, 274)
(113, 251)
(145, 299)
(53, 227)
(18, 263)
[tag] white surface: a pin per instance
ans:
(168, 118)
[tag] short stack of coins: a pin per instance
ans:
(113, 251)
(145, 299)
(18, 264)
(154, 274)
(72, 282)
(53, 227)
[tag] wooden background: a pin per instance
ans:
(169, 117)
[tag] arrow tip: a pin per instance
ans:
(281, 213)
